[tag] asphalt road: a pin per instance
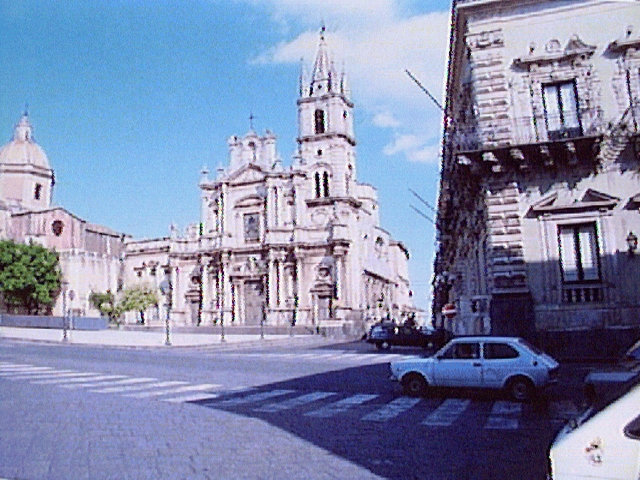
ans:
(285, 413)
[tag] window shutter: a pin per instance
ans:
(569, 105)
(588, 252)
(552, 108)
(568, 255)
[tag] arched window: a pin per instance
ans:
(317, 178)
(319, 121)
(37, 193)
(325, 184)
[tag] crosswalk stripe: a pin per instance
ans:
(504, 416)
(191, 398)
(26, 375)
(447, 413)
(185, 389)
(563, 410)
(126, 381)
(134, 388)
(68, 379)
(340, 406)
(13, 366)
(392, 410)
(254, 398)
(96, 381)
(24, 371)
(40, 375)
(294, 402)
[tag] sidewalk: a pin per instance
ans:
(156, 338)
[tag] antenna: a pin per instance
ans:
(424, 89)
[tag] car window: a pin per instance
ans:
(497, 351)
(462, 351)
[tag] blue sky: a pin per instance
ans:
(130, 98)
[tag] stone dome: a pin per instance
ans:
(23, 150)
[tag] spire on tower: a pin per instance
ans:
(321, 67)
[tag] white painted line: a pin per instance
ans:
(254, 398)
(341, 406)
(38, 375)
(563, 410)
(24, 370)
(447, 413)
(100, 380)
(191, 398)
(134, 388)
(70, 378)
(504, 416)
(171, 391)
(392, 410)
(13, 366)
(294, 402)
(126, 381)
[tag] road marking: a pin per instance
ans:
(340, 406)
(294, 402)
(563, 410)
(171, 391)
(254, 398)
(447, 413)
(70, 378)
(96, 381)
(27, 375)
(133, 388)
(126, 381)
(504, 416)
(24, 371)
(191, 398)
(5, 366)
(392, 410)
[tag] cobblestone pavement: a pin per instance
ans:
(341, 420)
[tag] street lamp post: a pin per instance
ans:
(65, 286)
(166, 289)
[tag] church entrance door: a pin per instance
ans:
(324, 308)
(254, 302)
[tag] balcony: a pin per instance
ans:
(582, 293)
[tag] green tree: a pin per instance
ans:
(105, 303)
(138, 298)
(135, 299)
(30, 277)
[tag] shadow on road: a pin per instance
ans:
(357, 414)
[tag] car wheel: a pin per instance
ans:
(520, 389)
(414, 385)
(384, 345)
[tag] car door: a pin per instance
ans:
(459, 365)
(500, 361)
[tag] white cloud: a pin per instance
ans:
(385, 119)
(377, 41)
(414, 147)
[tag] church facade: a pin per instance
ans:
(90, 254)
(282, 245)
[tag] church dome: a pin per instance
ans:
(22, 149)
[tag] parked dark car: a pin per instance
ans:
(385, 335)
(600, 382)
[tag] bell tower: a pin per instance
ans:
(326, 142)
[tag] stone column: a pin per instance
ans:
(205, 293)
